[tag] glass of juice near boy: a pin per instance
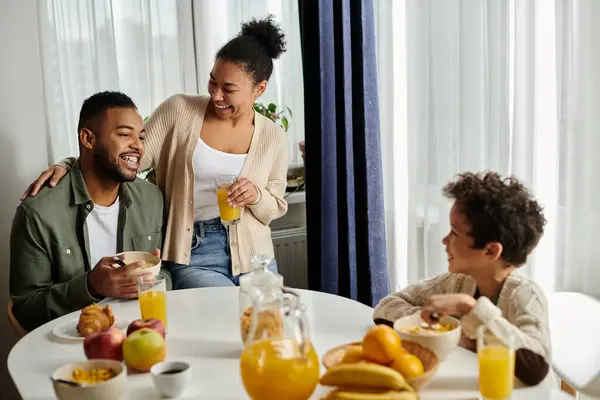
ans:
(152, 295)
(496, 356)
(229, 215)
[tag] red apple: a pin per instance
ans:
(151, 323)
(104, 345)
(144, 348)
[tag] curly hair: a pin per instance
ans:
(499, 210)
(258, 43)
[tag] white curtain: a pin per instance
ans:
(503, 85)
(216, 22)
(89, 46)
(578, 253)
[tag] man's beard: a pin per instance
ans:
(111, 170)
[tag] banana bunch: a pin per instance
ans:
(366, 381)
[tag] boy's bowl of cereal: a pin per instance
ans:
(151, 262)
(441, 340)
(94, 379)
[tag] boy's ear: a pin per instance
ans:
(493, 250)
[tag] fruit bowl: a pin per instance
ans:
(428, 358)
(153, 262)
(110, 389)
(430, 362)
(442, 343)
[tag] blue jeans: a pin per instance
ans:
(210, 260)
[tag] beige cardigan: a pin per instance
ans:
(522, 309)
(172, 132)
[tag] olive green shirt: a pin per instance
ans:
(49, 245)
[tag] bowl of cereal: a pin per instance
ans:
(92, 379)
(441, 339)
(151, 265)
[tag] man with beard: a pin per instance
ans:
(64, 239)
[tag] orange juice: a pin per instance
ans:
(275, 369)
(228, 213)
(496, 371)
(153, 304)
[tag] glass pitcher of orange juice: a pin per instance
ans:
(496, 356)
(278, 360)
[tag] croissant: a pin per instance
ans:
(94, 318)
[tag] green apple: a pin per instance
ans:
(144, 348)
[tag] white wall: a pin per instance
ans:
(22, 139)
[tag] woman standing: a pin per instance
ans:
(191, 140)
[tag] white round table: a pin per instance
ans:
(204, 331)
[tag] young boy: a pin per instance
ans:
(495, 224)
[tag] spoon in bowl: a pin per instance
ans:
(119, 261)
(66, 382)
(435, 326)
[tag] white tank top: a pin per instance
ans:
(210, 164)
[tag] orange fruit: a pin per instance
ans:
(381, 344)
(353, 354)
(408, 365)
(401, 352)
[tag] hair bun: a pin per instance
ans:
(268, 33)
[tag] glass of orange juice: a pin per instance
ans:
(229, 215)
(152, 295)
(496, 355)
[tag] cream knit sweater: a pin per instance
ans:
(522, 309)
(172, 132)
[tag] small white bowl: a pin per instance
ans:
(110, 389)
(172, 384)
(441, 344)
(133, 256)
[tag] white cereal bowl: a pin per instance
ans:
(172, 384)
(133, 256)
(441, 344)
(111, 389)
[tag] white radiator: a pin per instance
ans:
(290, 253)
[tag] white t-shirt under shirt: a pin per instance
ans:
(210, 164)
(102, 224)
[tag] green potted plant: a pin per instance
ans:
(270, 112)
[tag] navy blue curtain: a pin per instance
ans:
(344, 197)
